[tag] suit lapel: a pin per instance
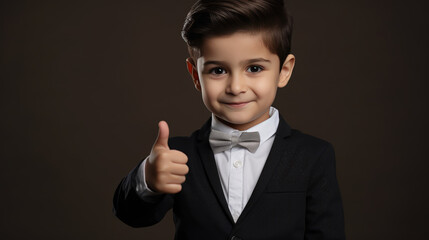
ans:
(207, 158)
(278, 153)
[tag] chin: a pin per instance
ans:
(237, 120)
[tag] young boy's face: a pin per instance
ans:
(238, 78)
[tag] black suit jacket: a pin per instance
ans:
(296, 196)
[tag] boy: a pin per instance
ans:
(245, 174)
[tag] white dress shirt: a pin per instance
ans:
(238, 169)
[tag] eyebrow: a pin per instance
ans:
(249, 61)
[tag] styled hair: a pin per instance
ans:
(210, 18)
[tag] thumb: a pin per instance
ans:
(163, 134)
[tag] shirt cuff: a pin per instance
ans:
(142, 190)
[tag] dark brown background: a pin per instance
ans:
(83, 84)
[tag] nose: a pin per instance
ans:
(236, 84)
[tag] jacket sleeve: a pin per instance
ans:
(130, 208)
(324, 215)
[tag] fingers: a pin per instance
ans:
(176, 179)
(169, 183)
(172, 188)
(172, 168)
(178, 157)
(166, 156)
(163, 133)
(179, 169)
(165, 169)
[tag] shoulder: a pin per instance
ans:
(186, 142)
(179, 142)
(309, 145)
(295, 139)
(307, 139)
(183, 143)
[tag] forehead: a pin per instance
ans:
(235, 47)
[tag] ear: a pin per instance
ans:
(286, 71)
(192, 69)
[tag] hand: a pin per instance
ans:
(165, 169)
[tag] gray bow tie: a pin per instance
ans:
(221, 141)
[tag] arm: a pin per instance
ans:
(324, 215)
(134, 210)
(163, 172)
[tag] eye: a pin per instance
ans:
(217, 71)
(254, 69)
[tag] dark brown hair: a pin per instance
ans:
(208, 18)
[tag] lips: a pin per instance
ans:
(236, 104)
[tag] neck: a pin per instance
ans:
(245, 126)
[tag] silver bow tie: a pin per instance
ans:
(221, 141)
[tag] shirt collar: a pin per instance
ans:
(266, 128)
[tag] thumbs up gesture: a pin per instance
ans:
(165, 169)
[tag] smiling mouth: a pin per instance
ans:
(236, 104)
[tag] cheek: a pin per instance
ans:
(265, 89)
(210, 91)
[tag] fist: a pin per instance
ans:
(166, 169)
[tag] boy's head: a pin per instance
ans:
(240, 55)
(209, 18)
